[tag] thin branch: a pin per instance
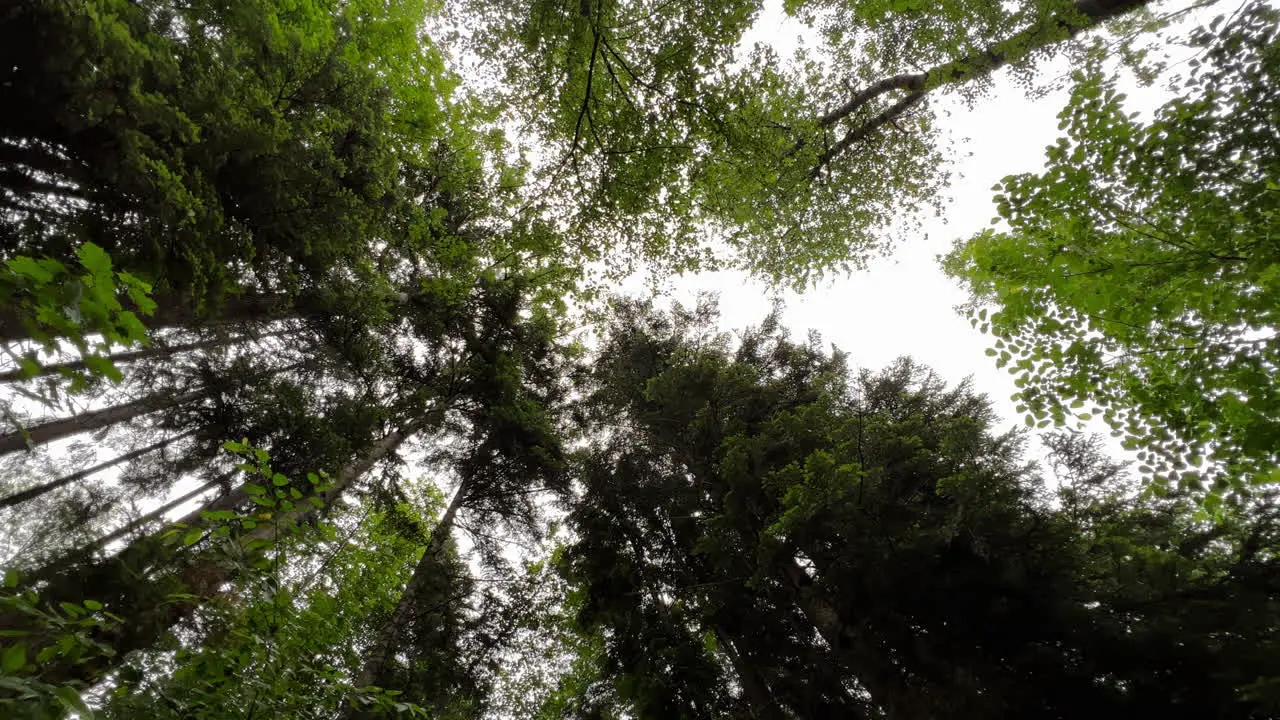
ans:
(585, 110)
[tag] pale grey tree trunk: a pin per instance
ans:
(376, 656)
(35, 492)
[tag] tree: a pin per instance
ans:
(152, 435)
(209, 147)
(281, 644)
(645, 110)
(295, 172)
(552, 667)
(746, 501)
(492, 378)
(344, 270)
(1137, 278)
(511, 456)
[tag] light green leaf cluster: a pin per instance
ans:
(1138, 277)
(89, 306)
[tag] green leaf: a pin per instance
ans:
(102, 367)
(133, 281)
(93, 605)
(1212, 502)
(279, 480)
(29, 366)
(14, 658)
(192, 537)
(95, 260)
(139, 292)
(29, 268)
(131, 328)
(70, 698)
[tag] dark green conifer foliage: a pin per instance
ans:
(211, 146)
(754, 507)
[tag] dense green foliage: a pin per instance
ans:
(55, 304)
(202, 141)
(748, 498)
(651, 112)
(303, 416)
(1139, 276)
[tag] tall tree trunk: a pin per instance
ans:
(37, 491)
(226, 501)
(815, 605)
(94, 420)
(246, 309)
(98, 419)
(144, 600)
(177, 311)
(156, 514)
(352, 472)
(375, 658)
(756, 688)
(85, 552)
(132, 356)
(862, 657)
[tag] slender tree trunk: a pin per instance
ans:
(163, 510)
(226, 501)
(85, 552)
(177, 311)
(98, 419)
(1053, 27)
(763, 704)
(349, 475)
(93, 420)
(375, 658)
(143, 600)
(860, 656)
(118, 359)
(123, 358)
(37, 491)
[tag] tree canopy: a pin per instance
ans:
(755, 508)
(1137, 279)
(716, 154)
(313, 404)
